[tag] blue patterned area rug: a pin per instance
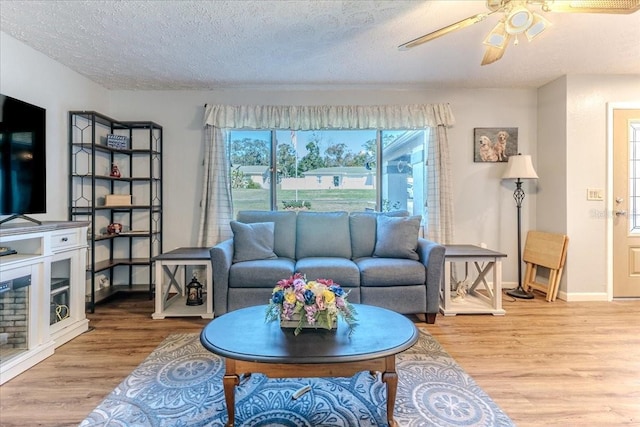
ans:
(180, 384)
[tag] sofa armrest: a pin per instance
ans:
(432, 256)
(221, 260)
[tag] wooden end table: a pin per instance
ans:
(249, 345)
(168, 265)
(485, 261)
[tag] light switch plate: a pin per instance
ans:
(595, 194)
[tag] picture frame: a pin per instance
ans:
(494, 145)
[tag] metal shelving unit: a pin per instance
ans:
(125, 260)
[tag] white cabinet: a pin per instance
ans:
(41, 291)
(67, 317)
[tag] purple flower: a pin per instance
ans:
(310, 311)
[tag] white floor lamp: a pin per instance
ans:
(519, 167)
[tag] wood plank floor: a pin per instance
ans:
(545, 364)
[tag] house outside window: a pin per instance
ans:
(328, 170)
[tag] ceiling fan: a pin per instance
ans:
(518, 18)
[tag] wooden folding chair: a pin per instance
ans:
(547, 250)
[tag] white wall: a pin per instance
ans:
(587, 99)
(32, 77)
(572, 149)
(552, 158)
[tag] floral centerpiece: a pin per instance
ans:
(316, 304)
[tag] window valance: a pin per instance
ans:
(317, 117)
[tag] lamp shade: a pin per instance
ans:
(520, 166)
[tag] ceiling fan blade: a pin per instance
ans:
(493, 53)
(593, 6)
(445, 30)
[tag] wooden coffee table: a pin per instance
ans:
(250, 345)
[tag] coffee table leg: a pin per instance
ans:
(229, 383)
(390, 378)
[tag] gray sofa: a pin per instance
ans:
(377, 257)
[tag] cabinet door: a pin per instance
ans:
(66, 300)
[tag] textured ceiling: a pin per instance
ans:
(192, 44)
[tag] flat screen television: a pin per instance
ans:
(22, 159)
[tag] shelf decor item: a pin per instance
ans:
(194, 292)
(301, 304)
(114, 228)
(119, 142)
(115, 171)
(117, 200)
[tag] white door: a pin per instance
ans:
(626, 203)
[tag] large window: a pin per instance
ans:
(328, 170)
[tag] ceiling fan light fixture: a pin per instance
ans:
(518, 20)
(498, 36)
(540, 23)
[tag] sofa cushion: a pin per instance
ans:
(397, 237)
(323, 234)
(252, 241)
(376, 272)
(363, 231)
(284, 244)
(260, 273)
(343, 271)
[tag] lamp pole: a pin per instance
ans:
(519, 292)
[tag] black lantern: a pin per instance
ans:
(194, 292)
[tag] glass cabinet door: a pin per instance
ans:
(60, 307)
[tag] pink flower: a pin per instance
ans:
(284, 283)
(300, 293)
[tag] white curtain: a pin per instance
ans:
(217, 206)
(439, 195)
(328, 117)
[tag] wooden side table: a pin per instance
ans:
(171, 295)
(484, 260)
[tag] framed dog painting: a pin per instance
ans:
(494, 144)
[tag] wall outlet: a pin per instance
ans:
(4, 338)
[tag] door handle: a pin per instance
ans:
(620, 213)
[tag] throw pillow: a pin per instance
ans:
(323, 234)
(252, 241)
(397, 237)
(284, 243)
(363, 231)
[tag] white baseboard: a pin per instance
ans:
(571, 297)
(583, 296)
